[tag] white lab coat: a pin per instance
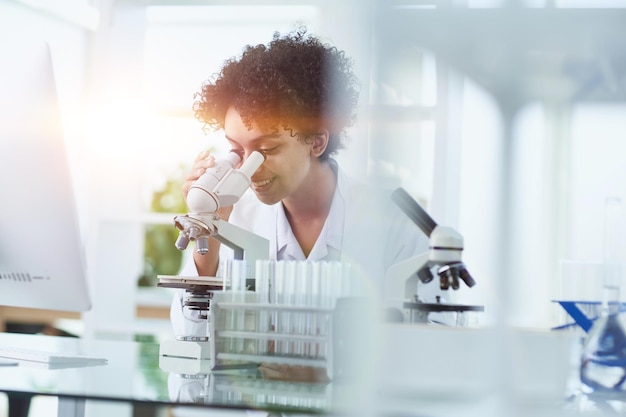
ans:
(364, 227)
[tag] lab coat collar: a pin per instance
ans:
(331, 236)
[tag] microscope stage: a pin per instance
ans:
(177, 281)
(440, 307)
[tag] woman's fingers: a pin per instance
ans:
(203, 161)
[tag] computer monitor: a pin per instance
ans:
(41, 254)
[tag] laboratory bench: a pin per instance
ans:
(135, 374)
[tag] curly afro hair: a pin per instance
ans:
(295, 82)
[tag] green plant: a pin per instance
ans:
(160, 255)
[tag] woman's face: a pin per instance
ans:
(287, 159)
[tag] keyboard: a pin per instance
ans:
(46, 357)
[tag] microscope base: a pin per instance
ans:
(184, 366)
(185, 349)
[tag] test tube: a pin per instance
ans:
(262, 286)
(326, 298)
(613, 251)
(289, 296)
(302, 282)
(279, 317)
(228, 315)
(238, 277)
(316, 302)
(349, 287)
(336, 280)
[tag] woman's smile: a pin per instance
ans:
(262, 185)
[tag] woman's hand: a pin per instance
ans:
(203, 161)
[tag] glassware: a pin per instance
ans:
(603, 362)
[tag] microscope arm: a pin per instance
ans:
(246, 245)
(401, 281)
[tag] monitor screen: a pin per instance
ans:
(41, 254)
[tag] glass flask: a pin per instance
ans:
(603, 362)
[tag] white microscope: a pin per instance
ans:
(444, 256)
(220, 186)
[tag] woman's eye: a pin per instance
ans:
(268, 151)
(238, 152)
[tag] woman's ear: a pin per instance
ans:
(319, 142)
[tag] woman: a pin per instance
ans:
(292, 100)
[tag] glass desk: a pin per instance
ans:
(135, 373)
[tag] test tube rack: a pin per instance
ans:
(247, 333)
(301, 314)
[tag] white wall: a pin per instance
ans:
(566, 162)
